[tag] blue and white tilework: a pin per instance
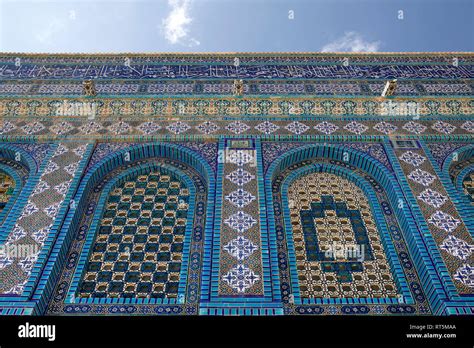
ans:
(240, 258)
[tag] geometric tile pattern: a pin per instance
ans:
(297, 127)
(421, 177)
(98, 128)
(252, 247)
(240, 197)
(457, 247)
(199, 67)
(443, 127)
(338, 249)
(326, 127)
(135, 230)
(290, 250)
(356, 127)
(444, 222)
(414, 127)
(240, 221)
(240, 248)
(267, 127)
(240, 258)
(139, 243)
(432, 198)
(412, 158)
(7, 186)
(385, 127)
(237, 127)
(38, 215)
(465, 275)
(462, 167)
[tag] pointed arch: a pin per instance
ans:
(376, 174)
(87, 213)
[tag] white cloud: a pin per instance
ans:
(175, 25)
(351, 42)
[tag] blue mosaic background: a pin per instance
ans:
(91, 229)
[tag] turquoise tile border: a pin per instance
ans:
(270, 302)
(356, 158)
(212, 293)
(42, 280)
(9, 151)
(459, 183)
(464, 209)
(114, 160)
(36, 171)
(269, 259)
(396, 267)
(433, 273)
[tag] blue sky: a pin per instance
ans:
(236, 25)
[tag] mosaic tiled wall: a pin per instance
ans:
(169, 193)
(7, 187)
(138, 249)
(333, 230)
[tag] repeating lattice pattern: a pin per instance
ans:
(139, 244)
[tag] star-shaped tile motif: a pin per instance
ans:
(326, 127)
(240, 198)
(296, 127)
(240, 248)
(457, 247)
(148, 127)
(267, 127)
(178, 127)
(241, 278)
(240, 177)
(412, 158)
(356, 127)
(444, 221)
(240, 221)
(207, 127)
(421, 177)
(433, 198)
